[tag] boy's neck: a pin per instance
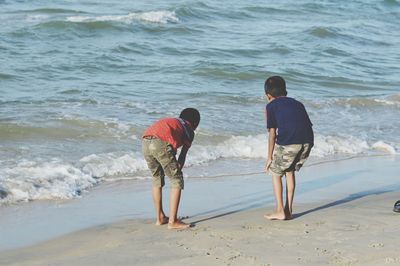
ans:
(270, 98)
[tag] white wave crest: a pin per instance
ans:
(161, 17)
(331, 145)
(382, 146)
(30, 180)
(55, 179)
(111, 164)
(256, 147)
(234, 147)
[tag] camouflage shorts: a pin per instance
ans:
(161, 160)
(289, 158)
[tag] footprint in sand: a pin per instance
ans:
(376, 245)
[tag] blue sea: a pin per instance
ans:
(81, 80)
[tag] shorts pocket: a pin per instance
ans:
(170, 150)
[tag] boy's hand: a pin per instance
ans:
(267, 165)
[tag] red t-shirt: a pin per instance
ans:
(172, 131)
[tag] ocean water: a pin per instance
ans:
(81, 80)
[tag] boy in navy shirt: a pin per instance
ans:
(289, 142)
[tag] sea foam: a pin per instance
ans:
(248, 147)
(384, 147)
(162, 17)
(30, 180)
(57, 179)
(111, 164)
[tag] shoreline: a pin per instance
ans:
(359, 231)
(32, 223)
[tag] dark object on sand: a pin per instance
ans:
(396, 207)
(3, 193)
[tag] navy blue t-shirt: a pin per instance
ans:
(291, 120)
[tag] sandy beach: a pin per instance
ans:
(353, 226)
(356, 232)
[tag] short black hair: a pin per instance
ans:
(275, 86)
(191, 115)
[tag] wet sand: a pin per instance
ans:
(342, 216)
(362, 231)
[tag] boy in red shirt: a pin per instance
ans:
(160, 144)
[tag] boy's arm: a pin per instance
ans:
(271, 146)
(182, 156)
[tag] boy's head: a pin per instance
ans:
(192, 116)
(275, 86)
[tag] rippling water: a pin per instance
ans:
(81, 80)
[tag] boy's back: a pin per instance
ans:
(172, 131)
(291, 119)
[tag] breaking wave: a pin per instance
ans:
(161, 17)
(56, 179)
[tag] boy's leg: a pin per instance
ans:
(290, 189)
(157, 200)
(279, 213)
(158, 183)
(171, 167)
(286, 159)
(149, 147)
(299, 159)
(174, 222)
(175, 197)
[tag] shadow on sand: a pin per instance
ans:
(258, 202)
(351, 197)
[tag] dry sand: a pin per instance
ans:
(359, 230)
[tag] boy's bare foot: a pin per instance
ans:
(288, 215)
(178, 225)
(275, 216)
(162, 221)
